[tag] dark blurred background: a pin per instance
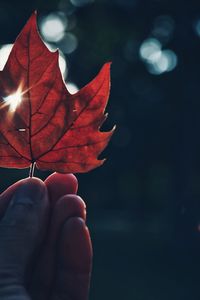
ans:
(144, 203)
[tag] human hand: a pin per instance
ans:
(45, 248)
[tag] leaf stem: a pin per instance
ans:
(32, 168)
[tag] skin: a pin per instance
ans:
(45, 246)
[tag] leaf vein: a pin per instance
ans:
(80, 146)
(83, 109)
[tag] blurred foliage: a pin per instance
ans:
(143, 204)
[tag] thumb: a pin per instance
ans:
(20, 230)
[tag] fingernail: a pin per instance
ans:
(29, 192)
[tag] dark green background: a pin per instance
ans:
(144, 203)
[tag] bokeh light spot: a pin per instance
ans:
(72, 88)
(81, 2)
(53, 27)
(69, 43)
(4, 53)
(166, 62)
(197, 27)
(62, 64)
(157, 60)
(163, 28)
(150, 50)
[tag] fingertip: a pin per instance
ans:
(70, 206)
(34, 188)
(65, 208)
(29, 200)
(59, 185)
(33, 184)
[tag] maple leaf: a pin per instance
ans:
(40, 121)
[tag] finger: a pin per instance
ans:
(59, 185)
(74, 261)
(6, 196)
(66, 207)
(21, 229)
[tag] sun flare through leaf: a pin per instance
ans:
(13, 100)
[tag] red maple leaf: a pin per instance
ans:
(40, 121)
